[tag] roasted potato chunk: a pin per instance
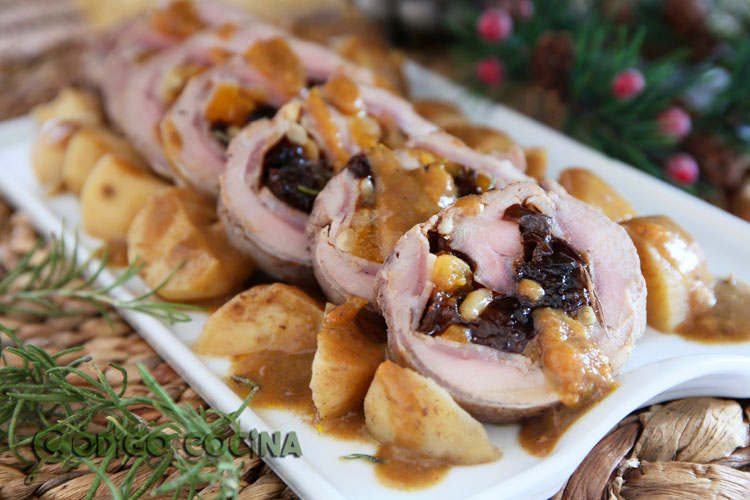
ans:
(266, 317)
(48, 152)
(71, 105)
(536, 162)
(179, 228)
(111, 196)
(483, 139)
(442, 113)
(86, 147)
(411, 411)
(678, 280)
(589, 187)
(344, 363)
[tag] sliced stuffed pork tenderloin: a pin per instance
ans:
(157, 83)
(217, 103)
(120, 52)
(277, 167)
(515, 301)
(365, 208)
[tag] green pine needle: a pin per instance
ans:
(602, 47)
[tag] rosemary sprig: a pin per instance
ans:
(364, 456)
(43, 395)
(39, 282)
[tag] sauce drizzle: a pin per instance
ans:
(727, 321)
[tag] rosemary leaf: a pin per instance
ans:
(363, 456)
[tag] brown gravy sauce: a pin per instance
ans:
(539, 434)
(232, 105)
(319, 111)
(283, 378)
(344, 94)
(350, 427)
(403, 469)
(727, 321)
(179, 19)
(402, 198)
(277, 62)
(117, 253)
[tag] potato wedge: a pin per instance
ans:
(179, 228)
(589, 187)
(71, 105)
(86, 147)
(48, 152)
(111, 196)
(444, 114)
(266, 317)
(536, 162)
(483, 139)
(409, 410)
(344, 363)
(678, 280)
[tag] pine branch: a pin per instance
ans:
(602, 48)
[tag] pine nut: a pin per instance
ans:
(366, 187)
(445, 226)
(475, 303)
(291, 111)
(530, 290)
(345, 240)
(296, 134)
(586, 316)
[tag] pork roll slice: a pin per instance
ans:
(217, 103)
(515, 301)
(277, 167)
(359, 216)
(155, 85)
(129, 45)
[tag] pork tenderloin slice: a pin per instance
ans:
(153, 86)
(342, 275)
(258, 223)
(493, 385)
(128, 45)
(195, 153)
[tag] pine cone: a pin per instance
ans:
(551, 60)
(620, 11)
(719, 162)
(689, 20)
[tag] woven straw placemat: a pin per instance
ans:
(689, 449)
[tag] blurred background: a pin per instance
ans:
(663, 85)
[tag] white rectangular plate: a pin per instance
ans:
(662, 367)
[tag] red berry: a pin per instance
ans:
(628, 83)
(674, 122)
(683, 168)
(491, 71)
(494, 25)
(525, 9)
